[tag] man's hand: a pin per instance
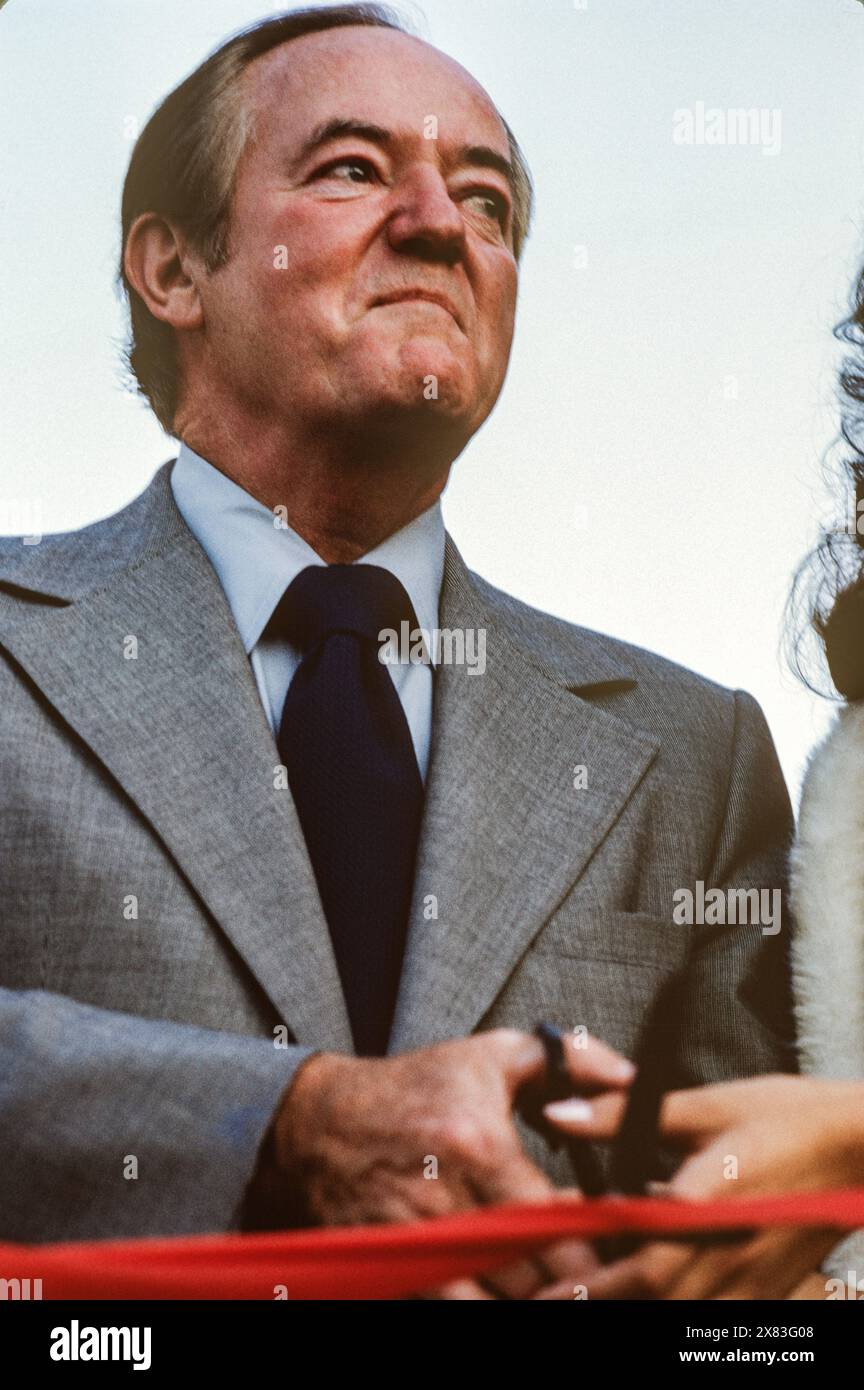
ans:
(427, 1133)
(785, 1134)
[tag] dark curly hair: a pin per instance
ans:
(826, 604)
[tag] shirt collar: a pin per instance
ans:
(256, 559)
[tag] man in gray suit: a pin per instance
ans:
(322, 229)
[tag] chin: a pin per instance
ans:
(428, 375)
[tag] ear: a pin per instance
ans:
(158, 263)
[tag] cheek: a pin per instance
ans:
(497, 318)
(271, 299)
(305, 247)
(506, 301)
(496, 297)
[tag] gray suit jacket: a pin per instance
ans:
(164, 961)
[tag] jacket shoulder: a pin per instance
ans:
(66, 564)
(703, 729)
(558, 643)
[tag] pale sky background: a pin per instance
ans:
(654, 466)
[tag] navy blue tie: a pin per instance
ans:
(353, 774)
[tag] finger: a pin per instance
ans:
(598, 1118)
(568, 1263)
(519, 1280)
(617, 1280)
(571, 1260)
(773, 1262)
(768, 1265)
(590, 1062)
(708, 1271)
(564, 1291)
(593, 1063)
(701, 1176)
(686, 1117)
(459, 1290)
(647, 1274)
(813, 1286)
(702, 1112)
(518, 1180)
(521, 1056)
(523, 1277)
(656, 1188)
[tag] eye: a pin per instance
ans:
(491, 204)
(347, 170)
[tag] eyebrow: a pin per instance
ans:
(479, 155)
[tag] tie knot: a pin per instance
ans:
(324, 599)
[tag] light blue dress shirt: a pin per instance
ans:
(256, 559)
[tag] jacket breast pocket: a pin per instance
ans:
(601, 934)
(600, 970)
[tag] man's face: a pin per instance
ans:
(363, 216)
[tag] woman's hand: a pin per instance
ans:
(814, 1286)
(765, 1135)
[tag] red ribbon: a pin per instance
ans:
(368, 1262)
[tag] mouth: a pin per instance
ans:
(421, 297)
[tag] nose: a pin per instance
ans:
(426, 222)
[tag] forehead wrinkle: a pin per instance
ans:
(264, 80)
(344, 127)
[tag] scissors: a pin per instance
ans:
(635, 1158)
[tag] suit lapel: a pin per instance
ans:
(181, 729)
(505, 832)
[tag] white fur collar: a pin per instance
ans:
(827, 889)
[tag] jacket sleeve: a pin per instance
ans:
(113, 1125)
(737, 1016)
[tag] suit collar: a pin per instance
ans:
(255, 559)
